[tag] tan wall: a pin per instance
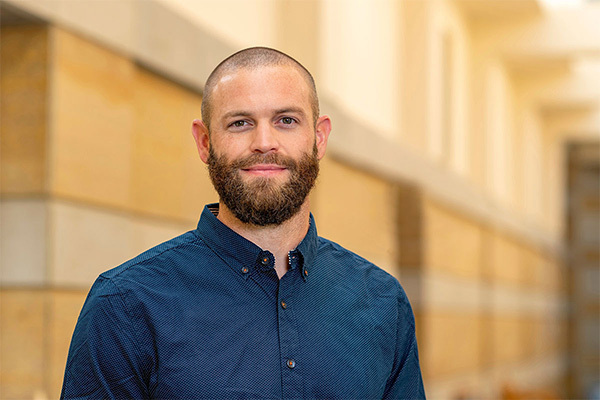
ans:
(24, 85)
(109, 120)
(487, 304)
(98, 164)
(357, 210)
(35, 330)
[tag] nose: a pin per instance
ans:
(265, 139)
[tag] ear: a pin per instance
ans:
(200, 133)
(323, 128)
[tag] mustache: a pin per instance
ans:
(270, 158)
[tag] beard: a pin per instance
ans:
(263, 201)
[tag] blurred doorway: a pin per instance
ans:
(583, 233)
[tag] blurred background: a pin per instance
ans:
(464, 160)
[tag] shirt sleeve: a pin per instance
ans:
(405, 381)
(104, 359)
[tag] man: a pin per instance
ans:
(251, 304)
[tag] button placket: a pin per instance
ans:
(289, 339)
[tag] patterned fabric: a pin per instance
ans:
(204, 316)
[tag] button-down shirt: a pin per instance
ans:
(204, 315)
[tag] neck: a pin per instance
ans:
(278, 239)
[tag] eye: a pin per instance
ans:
(238, 124)
(288, 120)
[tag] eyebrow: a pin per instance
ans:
(235, 113)
(286, 110)
(240, 113)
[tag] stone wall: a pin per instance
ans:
(98, 164)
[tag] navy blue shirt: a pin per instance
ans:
(204, 316)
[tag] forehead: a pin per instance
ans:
(256, 89)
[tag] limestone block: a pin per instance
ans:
(64, 307)
(92, 121)
(22, 344)
(508, 332)
(505, 258)
(162, 146)
(451, 343)
(197, 188)
(23, 242)
(23, 106)
(453, 242)
(554, 276)
(87, 241)
(357, 210)
(410, 226)
(532, 264)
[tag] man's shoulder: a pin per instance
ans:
(158, 255)
(337, 257)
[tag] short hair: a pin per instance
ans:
(253, 58)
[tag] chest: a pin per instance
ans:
(258, 342)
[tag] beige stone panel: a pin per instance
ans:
(554, 277)
(410, 226)
(553, 334)
(444, 292)
(411, 205)
(587, 282)
(531, 330)
(508, 338)
(505, 259)
(356, 210)
(532, 378)
(23, 94)
(92, 121)
(64, 308)
(453, 242)
(551, 275)
(509, 299)
(197, 187)
(472, 385)
(451, 343)
(533, 265)
(23, 241)
(295, 36)
(87, 241)
(22, 343)
(149, 232)
(163, 150)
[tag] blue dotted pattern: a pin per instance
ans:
(204, 316)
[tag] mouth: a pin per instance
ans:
(264, 170)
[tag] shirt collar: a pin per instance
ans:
(242, 255)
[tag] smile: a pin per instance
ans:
(265, 169)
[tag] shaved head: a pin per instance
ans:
(254, 58)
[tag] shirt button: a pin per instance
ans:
(290, 363)
(244, 270)
(283, 304)
(305, 272)
(265, 261)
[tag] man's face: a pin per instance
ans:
(264, 148)
(263, 201)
